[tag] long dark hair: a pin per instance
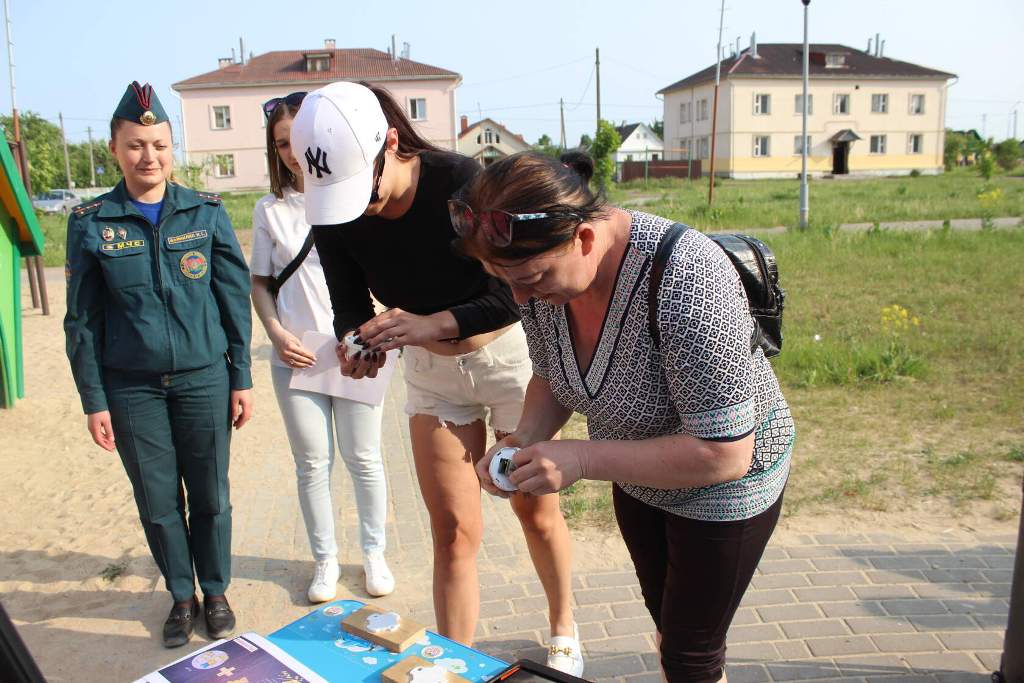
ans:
(410, 142)
(280, 175)
(530, 182)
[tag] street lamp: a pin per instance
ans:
(803, 140)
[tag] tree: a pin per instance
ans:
(107, 172)
(585, 142)
(545, 145)
(658, 126)
(1007, 154)
(602, 150)
(43, 147)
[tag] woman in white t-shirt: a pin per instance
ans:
(312, 419)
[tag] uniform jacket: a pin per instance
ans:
(154, 299)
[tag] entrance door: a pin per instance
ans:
(840, 156)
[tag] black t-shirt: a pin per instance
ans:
(409, 262)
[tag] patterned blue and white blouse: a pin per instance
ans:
(704, 382)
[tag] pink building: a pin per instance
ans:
(224, 127)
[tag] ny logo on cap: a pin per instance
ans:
(318, 162)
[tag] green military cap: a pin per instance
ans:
(140, 105)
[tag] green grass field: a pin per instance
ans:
(945, 431)
(745, 204)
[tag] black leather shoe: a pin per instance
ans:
(220, 618)
(180, 624)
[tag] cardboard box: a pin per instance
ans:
(383, 627)
(413, 669)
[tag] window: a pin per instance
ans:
(418, 109)
(654, 157)
(798, 104)
(629, 157)
(684, 148)
(703, 148)
(761, 143)
(684, 112)
(497, 138)
(841, 104)
(835, 60)
(917, 104)
(488, 136)
(262, 118)
(915, 143)
(878, 144)
(797, 147)
(266, 164)
(318, 62)
(478, 139)
(762, 103)
(221, 118)
(702, 110)
(224, 166)
(879, 104)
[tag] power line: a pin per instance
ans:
(530, 73)
(585, 89)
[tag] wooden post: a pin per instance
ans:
(714, 107)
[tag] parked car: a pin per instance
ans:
(56, 201)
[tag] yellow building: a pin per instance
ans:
(868, 114)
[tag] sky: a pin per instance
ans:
(516, 58)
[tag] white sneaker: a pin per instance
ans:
(379, 580)
(564, 653)
(325, 581)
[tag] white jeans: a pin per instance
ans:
(308, 418)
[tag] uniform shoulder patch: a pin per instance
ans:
(83, 209)
(210, 197)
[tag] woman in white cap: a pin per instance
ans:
(465, 355)
(290, 298)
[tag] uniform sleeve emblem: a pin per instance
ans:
(194, 265)
(122, 234)
(108, 234)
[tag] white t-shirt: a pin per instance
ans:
(279, 229)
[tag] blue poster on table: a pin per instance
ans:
(318, 642)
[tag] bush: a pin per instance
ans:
(1007, 154)
(986, 165)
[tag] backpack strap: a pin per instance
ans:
(277, 282)
(661, 257)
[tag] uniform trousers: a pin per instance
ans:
(173, 433)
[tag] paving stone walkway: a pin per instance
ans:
(850, 607)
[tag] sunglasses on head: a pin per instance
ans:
(497, 225)
(293, 100)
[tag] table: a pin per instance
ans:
(318, 642)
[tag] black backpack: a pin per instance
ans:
(755, 263)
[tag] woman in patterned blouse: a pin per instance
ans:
(695, 434)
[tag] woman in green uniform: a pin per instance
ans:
(158, 330)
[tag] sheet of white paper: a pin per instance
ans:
(325, 377)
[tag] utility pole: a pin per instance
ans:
(714, 107)
(561, 115)
(984, 126)
(804, 210)
(36, 281)
(597, 66)
(64, 139)
(92, 162)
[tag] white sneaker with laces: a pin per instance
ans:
(564, 653)
(325, 581)
(379, 580)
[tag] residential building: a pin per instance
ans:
(488, 141)
(639, 143)
(225, 128)
(867, 114)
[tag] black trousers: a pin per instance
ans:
(692, 575)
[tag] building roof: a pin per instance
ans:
(471, 126)
(627, 130)
(785, 60)
(289, 66)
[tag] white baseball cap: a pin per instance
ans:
(336, 135)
